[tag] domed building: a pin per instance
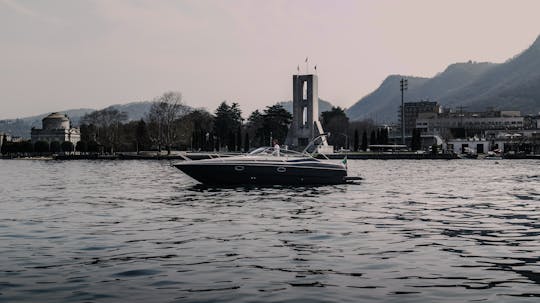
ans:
(56, 127)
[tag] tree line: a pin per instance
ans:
(172, 125)
(345, 134)
(169, 125)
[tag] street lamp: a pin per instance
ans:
(403, 84)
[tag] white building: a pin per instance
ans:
(476, 145)
(432, 122)
(56, 127)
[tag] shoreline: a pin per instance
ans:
(201, 156)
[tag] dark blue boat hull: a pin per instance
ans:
(262, 174)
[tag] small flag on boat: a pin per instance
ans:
(315, 67)
(298, 68)
(306, 59)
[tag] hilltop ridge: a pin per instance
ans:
(512, 85)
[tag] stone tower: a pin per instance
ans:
(305, 124)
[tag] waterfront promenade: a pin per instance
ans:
(210, 155)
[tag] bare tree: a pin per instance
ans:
(162, 117)
(107, 122)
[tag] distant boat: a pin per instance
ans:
(494, 155)
(266, 166)
(468, 156)
(469, 153)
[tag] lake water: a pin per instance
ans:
(141, 231)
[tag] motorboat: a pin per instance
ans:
(266, 166)
(494, 155)
(469, 153)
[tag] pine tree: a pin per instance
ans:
(4, 148)
(373, 138)
(227, 120)
(356, 140)
(246, 142)
(364, 141)
(384, 134)
(239, 139)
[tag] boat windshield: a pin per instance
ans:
(270, 151)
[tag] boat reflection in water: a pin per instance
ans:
(266, 166)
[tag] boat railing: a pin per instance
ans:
(284, 154)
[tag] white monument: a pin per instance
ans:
(305, 124)
(56, 127)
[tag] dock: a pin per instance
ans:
(390, 156)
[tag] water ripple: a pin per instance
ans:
(411, 231)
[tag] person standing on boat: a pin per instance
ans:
(276, 147)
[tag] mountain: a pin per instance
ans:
(134, 110)
(324, 106)
(74, 114)
(455, 77)
(21, 127)
(513, 85)
(383, 103)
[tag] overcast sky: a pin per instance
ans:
(57, 55)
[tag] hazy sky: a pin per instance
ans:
(57, 55)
